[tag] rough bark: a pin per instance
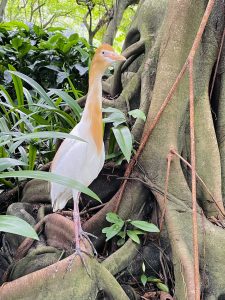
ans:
(2, 9)
(180, 27)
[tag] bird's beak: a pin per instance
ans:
(120, 57)
(117, 57)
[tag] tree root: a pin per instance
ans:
(120, 259)
(77, 283)
(147, 84)
(221, 117)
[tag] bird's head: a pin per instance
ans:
(104, 56)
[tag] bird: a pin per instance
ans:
(83, 161)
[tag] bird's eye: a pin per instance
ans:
(103, 52)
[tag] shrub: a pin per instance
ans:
(48, 56)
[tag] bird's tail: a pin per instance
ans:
(59, 196)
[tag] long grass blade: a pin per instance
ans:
(66, 181)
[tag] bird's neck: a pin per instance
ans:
(92, 114)
(94, 96)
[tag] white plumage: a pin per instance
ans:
(77, 160)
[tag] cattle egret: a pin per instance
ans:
(79, 160)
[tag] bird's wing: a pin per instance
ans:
(68, 161)
(77, 160)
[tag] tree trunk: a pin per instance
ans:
(2, 9)
(118, 10)
(176, 37)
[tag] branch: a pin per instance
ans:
(24, 4)
(105, 19)
(85, 21)
(35, 9)
(38, 7)
(54, 17)
(90, 5)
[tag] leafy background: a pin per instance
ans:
(48, 56)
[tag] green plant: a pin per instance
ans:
(33, 119)
(126, 228)
(120, 133)
(16, 225)
(48, 56)
(151, 279)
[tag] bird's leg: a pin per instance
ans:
(84, 234)
(77, 227)
(79, 233)
(76, 222)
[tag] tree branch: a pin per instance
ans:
(105, 19)
(33, 10)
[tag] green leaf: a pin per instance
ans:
(32, 156)
(40, 135)
(48, 135)
(24, 49)
(66, 181)
(137, 114)
(116, 117)
(120, 242)
(153, 279)
(16, 42)
(122, 234)
(133, 236)
(149, 227)
(113, 218)
(136, 231)
(39, 31)
(6, 163)
(124, 140)
(162, 287)
(112, 155)
(111, 110)
(6, 95)
(18, 86)
(74, 37)
(112, 143)
(61, 76)
(82, 70)
(75, 92)
(33, 115)
(15, 24)
(36, 86)
(16, 225)
(53, 29)
(143, 279)
(112, 230)
(69, 100)
(3, 126)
